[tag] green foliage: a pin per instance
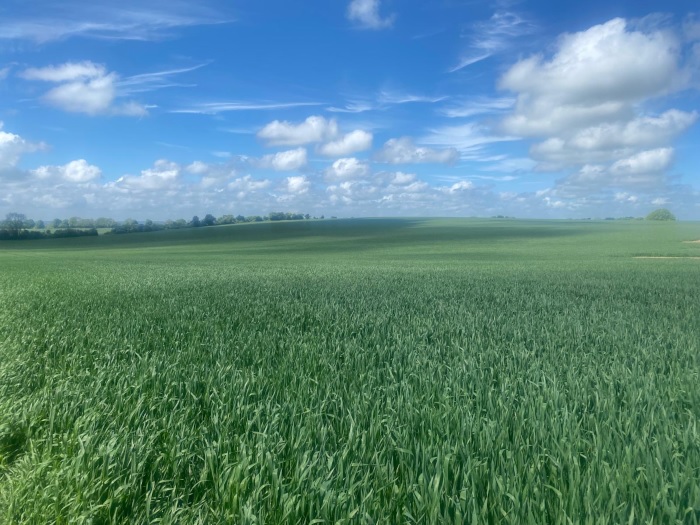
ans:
(388, 371)
(662, 214)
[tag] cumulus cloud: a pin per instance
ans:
(609, 141)
(353, 142)
(77, 171)
(65, 72)
(197, 168)
(246, 186)
(83, 87)
(404, 151)
(347, 169)
(284, 133)
(462, 185)
(603, 64)
(12, 147)
(297, 185)
(284, 160)
(164, 175)
(585, 104)
(365, 13)
(645, 170)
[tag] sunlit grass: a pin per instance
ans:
(353, 372)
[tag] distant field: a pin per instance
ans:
(353, 371)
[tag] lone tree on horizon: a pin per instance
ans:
(662, 214)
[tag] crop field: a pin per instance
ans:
(353, 371)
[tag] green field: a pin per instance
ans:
(353, 371)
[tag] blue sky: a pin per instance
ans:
(155, 109)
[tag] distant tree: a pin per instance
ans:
(240, 218)
(40, 224)
(662, 214)
(56, 223)
(29, 224)
(208, 220)
(13, 224)
(104, 222)
(65, 223)
(195, 223)
(307, 216)
(180, 223)
(131, 225)
(226, 219)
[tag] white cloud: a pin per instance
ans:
(91, 96)
(164, 175)
(610, 141)
(4, 72)
(643, 163)
(347, 169)
(67, 72)
(365, 13)
(12, 147)
(84, 87)
(77, 171)
(197, 168)
(297, 184)
(460, 186)
(246, 185)
(595, 76)
(642, 171)
(401, 179)
(586, 102)
(603, 64)
(353, 142)
(284, 160)
(404, 151)
(623, 196)
(285, 133)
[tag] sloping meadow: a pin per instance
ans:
(386, 371)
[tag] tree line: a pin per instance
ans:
(17, 226)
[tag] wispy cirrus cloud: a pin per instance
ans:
(212, 108)
(129, 20)
(493, 36)
(384, 99)
(477, 106)
(145, 82)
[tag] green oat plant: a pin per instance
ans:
(353, 371)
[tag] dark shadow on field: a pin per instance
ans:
(326, 235)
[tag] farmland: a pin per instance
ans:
(353, 371)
